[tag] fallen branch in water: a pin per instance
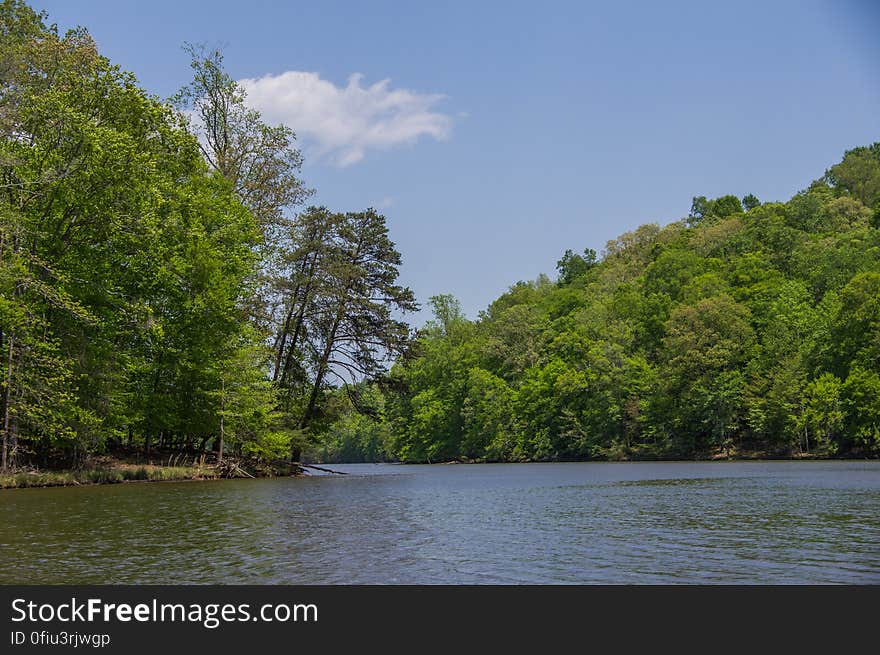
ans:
(230, 469)
(319, 468)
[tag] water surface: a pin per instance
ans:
(762, 522)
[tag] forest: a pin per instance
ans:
(162, 288)
(745, 329)
(166, 289)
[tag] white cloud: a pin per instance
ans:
(342, 123)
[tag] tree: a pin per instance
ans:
(722, 207)
(352, 332)
(705, 347)
(822, 415)
(726, 206)
(858, 174)
(856, 329)
(673, 269)
(317, 231)
(263, 165)
(681, 341)
(80, 152)
(573, 265)
(358, 434)
(430, 385)
(449, 320)
(260, 160)
(39, 164)
(699, 209)
(124, 260)
(861, 400)
(248, 422)
(749, 202)
(488, 426)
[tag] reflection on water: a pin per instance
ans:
(770, 522)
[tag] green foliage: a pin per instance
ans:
(823, 415)
(749, 202)
(148, 259)
(861, 399)
(158, 291)
(750, 328)
(702, 208)
(856, 330)
(126, 263)
(573, 265)
(260, 160)
(858, 175)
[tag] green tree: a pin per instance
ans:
(261, 161)
(702, 208)
(856, 329)
(706, 346)
(427, 415)
(858, 174)
(861, 400)
(125, 261)
(823, 414)
(305, 279)
(353, 332)
(488, 426)
(573, 265)
(681, 341)
(749, 202)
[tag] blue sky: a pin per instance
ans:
(507, 132)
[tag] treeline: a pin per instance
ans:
(160, 289)
(164, 288)
(744, 328)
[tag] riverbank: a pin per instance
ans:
(110, 469)
(116, 469)
(110, 473)
(730, 455)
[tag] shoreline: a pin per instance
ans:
(733, 456)
(120, 472)
(114, 470)
(116, 473)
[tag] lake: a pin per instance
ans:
(677, 522)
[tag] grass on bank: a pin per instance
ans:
(106, 475)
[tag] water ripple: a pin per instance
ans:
(774, 522)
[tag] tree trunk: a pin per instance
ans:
(7, 402)
(322, 369)
(291, 351)
(312, 264)
(283, 340)
(331, 340)
(300, 318)
(222, 410)
(316, 387)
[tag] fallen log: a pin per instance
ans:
(241, 471)
(319, 468)
(231, 469)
